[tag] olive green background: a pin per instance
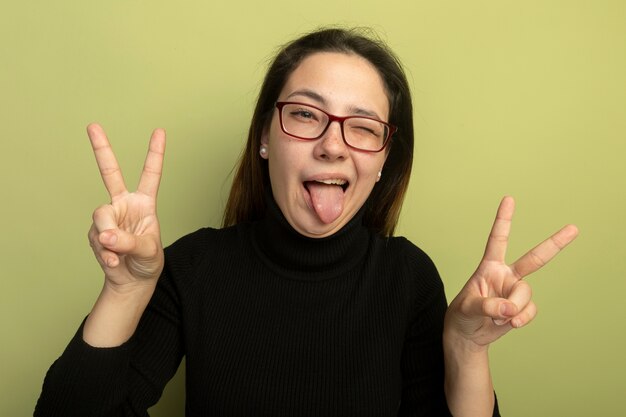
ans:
(526, 98)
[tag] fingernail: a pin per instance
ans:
(503, 309)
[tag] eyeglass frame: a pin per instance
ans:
(332, 118)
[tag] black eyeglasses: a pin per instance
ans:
(304, 121)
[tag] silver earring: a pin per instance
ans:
(263, 151)
(380, 174)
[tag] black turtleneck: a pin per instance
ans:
(292, 255)
(273, 324)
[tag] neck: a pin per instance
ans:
(292, 254)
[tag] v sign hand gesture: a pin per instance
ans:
(125, 238)
(495, 300)
(125, 234)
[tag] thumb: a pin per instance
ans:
(499, 309)
(124, 243)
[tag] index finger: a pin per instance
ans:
(499, 235)
(545, 251)
(107, 163)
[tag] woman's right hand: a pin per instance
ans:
(125, 235)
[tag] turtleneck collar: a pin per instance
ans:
(296, 256)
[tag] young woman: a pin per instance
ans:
(304, 304)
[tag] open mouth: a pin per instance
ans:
(336, 181)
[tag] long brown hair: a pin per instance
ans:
(247, 195)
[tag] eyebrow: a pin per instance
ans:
(322, 102)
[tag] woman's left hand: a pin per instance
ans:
(497, 298)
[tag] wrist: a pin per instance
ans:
(131, 288)
(464, 357)
(459, 344)
(468, 385)
(116, 314)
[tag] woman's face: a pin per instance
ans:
(320, 184)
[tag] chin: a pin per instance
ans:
(317, 229)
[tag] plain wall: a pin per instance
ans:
(521, 98)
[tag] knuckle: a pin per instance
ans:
(519, 275)
(485, 308)
(538, 260)
(99, 258)
(91, 235)
(500, 238)
(558, 242)
(524, 287)
(109, 170)
(489, 308)
(465, 306)
(100, 213)
(151, 249)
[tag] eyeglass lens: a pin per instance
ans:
(309, 123)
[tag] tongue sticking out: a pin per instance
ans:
(327, 200)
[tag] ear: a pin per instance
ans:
(265, 137)
(382, 166)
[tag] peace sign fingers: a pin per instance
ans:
(107, 163)
(544, 252)
(496, 298)
(125, 234)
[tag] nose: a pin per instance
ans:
(331, 145)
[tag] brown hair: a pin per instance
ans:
(247, 195)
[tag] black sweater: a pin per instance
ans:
(273, 324)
